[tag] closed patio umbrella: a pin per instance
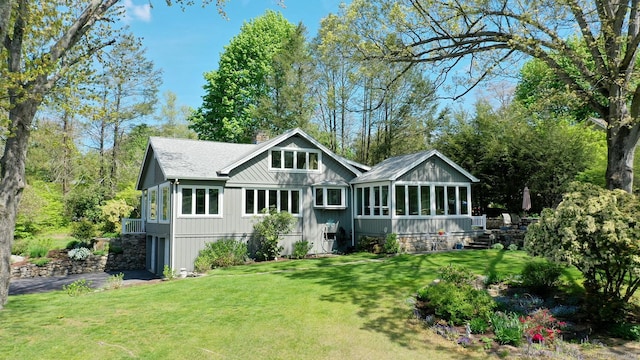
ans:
(526, 199)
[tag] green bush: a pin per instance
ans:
(77, 288)
(221, 253)
(83, 230)
(541, 276)
(596, 230)
(74, 244)
(300, 249)
(391, 244)
(79, 253)
(478, 325)
(512, 247)
(169, 273)
(507, 328)
(370, 244)
(626, 331)
(269, 230)
(39, 248)
(456, 274)
(112, 213)
(455, 303)
(115, 281)
(497, 246)
(20, 247)
(40, 261)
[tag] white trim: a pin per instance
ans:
(161, 204)
(150, 191)
(256, 211)
(325, 197)
(295, 152)
(447, 187)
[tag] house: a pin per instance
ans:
(194, 192)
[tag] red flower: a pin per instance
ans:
(538, 338)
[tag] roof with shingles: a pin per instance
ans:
(394, 167)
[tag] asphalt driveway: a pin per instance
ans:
(98, 280)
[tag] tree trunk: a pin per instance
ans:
(622, 138)
(12, 182)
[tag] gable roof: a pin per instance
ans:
(260, 148)
(190, 159)
(392, 168)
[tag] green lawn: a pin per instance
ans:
(348, 307)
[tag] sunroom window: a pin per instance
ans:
(200, 201)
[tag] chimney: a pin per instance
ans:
(260, 137)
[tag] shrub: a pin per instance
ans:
(456, 274)
(268, 231)
(512, 247)
(115, 249)
(596, 230)
(83, 230)
(221, 253)
(39, 248)
(507, 328)
(73, 244)
(478, 325)
(169, 273)
(626, 331)
(113, 211)
(115, 281)
(455, 303)
(77, 288)
(391, 244)
(42, 261)
(497, 246)
(494, 278)
(300, 249)
(541, 326)
(20, 247)
(541, 276)
(371, 244)
(79, 253)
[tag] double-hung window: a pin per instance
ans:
(200, 200)
(256, 201)
(372, 200)
(164, 203)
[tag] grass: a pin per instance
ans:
(349, 307)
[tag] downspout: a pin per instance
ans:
(173, 222)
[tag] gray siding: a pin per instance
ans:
(372, 227)
(151, 174)
(431, 225)
(441, 172)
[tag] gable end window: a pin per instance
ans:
(200, 200)
(330, 197)
(294, 159)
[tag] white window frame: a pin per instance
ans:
(295, 151)
(161, 203)
(325, 197)
(448, 187)
(152, 194)
(206, 201)
(257, 212)
(360, 213)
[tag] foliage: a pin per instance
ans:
(113, 211)
(77, 244)
(234, 90)
(596, 230)
(478, 325)
(268, 230)
(626, 331)
(78, 287)
(20, 247)
(84, 203)
(456, 274)
(541, 326)
(497, 246)
(455, 303)
(300, 249)
(81, 253)
(221, 253)
(39, 248)
(541, 276)
(115, 281)
(83, 230)
(512, 247)
(371, 244)
(391, 244)
(507, 328)
(168, 273)
(41, 208)
(41, 261)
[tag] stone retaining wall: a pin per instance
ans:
(126, 253)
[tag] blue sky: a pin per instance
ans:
(186, 44)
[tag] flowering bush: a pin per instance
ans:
(541, 326)
(597, 231)
(79, 253)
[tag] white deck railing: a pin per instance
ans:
(479, 222)
(132, 226)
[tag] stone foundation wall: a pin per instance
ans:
(126, 253)
(426, 243)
